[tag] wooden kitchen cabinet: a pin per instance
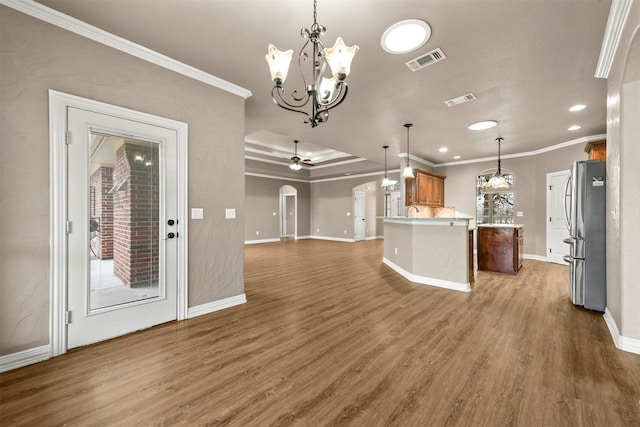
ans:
(597, 150)
(427, 189)
(500, 248)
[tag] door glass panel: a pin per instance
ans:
(124, 213)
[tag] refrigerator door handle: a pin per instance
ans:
(567, 195)
(567, 259)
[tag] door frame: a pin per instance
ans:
(357, 193)
(549, 230)
(59, 102)
(283, 214)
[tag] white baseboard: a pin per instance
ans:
(335, 239)
(535, 257)
(253, 242)
(423, 280)
(24, 358)
(210, 307)
(373, 238)
(302, 237)
(631, 345)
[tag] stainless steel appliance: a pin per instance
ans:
(585, 212)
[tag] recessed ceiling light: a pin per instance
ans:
(574, 127)
(485, 124)
(577, 107)
(456, 157)
(405, 36)
(309, 153)
(443, 149)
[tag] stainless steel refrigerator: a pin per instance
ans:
(586, 219)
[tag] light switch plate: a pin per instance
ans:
(519, 213)
(197, 213)
(229, 213)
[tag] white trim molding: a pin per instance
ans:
(334, 239)
(631, 345)
(430, 281)
(83, 29)
(618, 15)
(253, 242)
(535, 257)
(213, 306)
(24, 358)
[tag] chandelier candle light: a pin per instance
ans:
(323, 93)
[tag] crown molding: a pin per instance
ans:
(282, 178)
(615, 24)
(83, 29)
(582, 140)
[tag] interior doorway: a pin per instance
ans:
(557, 229)
(288, 212)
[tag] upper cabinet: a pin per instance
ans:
(427, 189)
(597, 150)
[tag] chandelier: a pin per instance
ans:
(323, 93)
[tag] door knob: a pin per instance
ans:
(171, 235)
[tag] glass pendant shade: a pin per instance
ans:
(497, 181)
(327, 87)
(339, 58)
(407, 172)
(295, 166)
(279, 62)
(386, 182)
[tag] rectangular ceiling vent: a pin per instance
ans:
(425, 60)
(461, 99)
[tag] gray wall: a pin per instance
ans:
(262, 200)
(623, 180)
(530, 195)
(331, 200)
(36, 57)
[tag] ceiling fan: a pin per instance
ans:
(296, 162)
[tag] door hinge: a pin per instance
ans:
(549, 250)
(67, 317)
(67, 137)
(550, 187)
(67, 227)
(550, 219)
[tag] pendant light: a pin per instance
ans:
(497, 181)
(386, 182)
(408, 172)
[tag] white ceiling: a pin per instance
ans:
(527, 61)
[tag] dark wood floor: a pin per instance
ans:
(331, 336)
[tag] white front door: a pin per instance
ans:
(557, 229)
(359, 219)
(122, 226)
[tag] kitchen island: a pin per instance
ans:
(500, 247)
(430, 251)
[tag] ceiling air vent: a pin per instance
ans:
(427, 59)
(461, 99)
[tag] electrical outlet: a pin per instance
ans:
(317, 230)
(257, 233)
(345, 231)
(519, 213)
(395, 250)
(274, 214)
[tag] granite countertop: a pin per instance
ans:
(501, 225)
